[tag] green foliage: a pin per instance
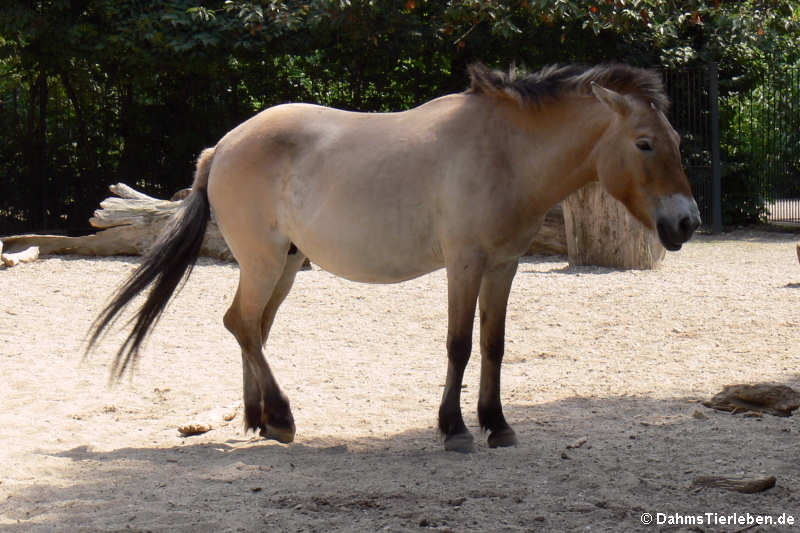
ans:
(107, 90)
(761, 142)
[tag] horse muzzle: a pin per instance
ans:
(677, 217)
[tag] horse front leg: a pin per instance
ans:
(493, 300)
(463, 284)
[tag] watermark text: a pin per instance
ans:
(719, 519)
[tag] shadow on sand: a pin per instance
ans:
(582, 463)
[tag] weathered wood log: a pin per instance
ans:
(26, 256)
(778, 400)
(130, 224)
(113, 241)
(552, 238)
(601, 232)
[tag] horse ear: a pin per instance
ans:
(616, 101)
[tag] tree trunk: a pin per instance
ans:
(601, 232)
(551, 238)
(37, 151)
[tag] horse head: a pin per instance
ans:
(638, 161)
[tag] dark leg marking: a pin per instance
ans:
(463, 284)
(493, 299)
(451, 422)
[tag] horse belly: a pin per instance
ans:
(372, 269)
(369, 245)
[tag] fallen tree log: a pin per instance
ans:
(130, 224)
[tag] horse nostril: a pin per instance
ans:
(687, 225)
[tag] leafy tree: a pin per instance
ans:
(107, 90)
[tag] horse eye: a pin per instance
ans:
(644, 146)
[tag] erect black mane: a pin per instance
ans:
(553, 82)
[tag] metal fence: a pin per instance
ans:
(693, 113)
(741, 145)
(763, 139)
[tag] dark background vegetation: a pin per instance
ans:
(93, 92)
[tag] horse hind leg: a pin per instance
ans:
(294, 261)
(266, 406)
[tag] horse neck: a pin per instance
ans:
(565, 136)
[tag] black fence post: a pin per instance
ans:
(716, 169)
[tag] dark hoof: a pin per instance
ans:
(278, 425)
(459, 442)
(502, 438)
(252, 418)
(282, 435)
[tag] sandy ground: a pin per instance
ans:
(615, 360)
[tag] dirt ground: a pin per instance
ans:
(602, 379)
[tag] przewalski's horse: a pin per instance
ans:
(461, 182)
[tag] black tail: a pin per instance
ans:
(168, 262)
